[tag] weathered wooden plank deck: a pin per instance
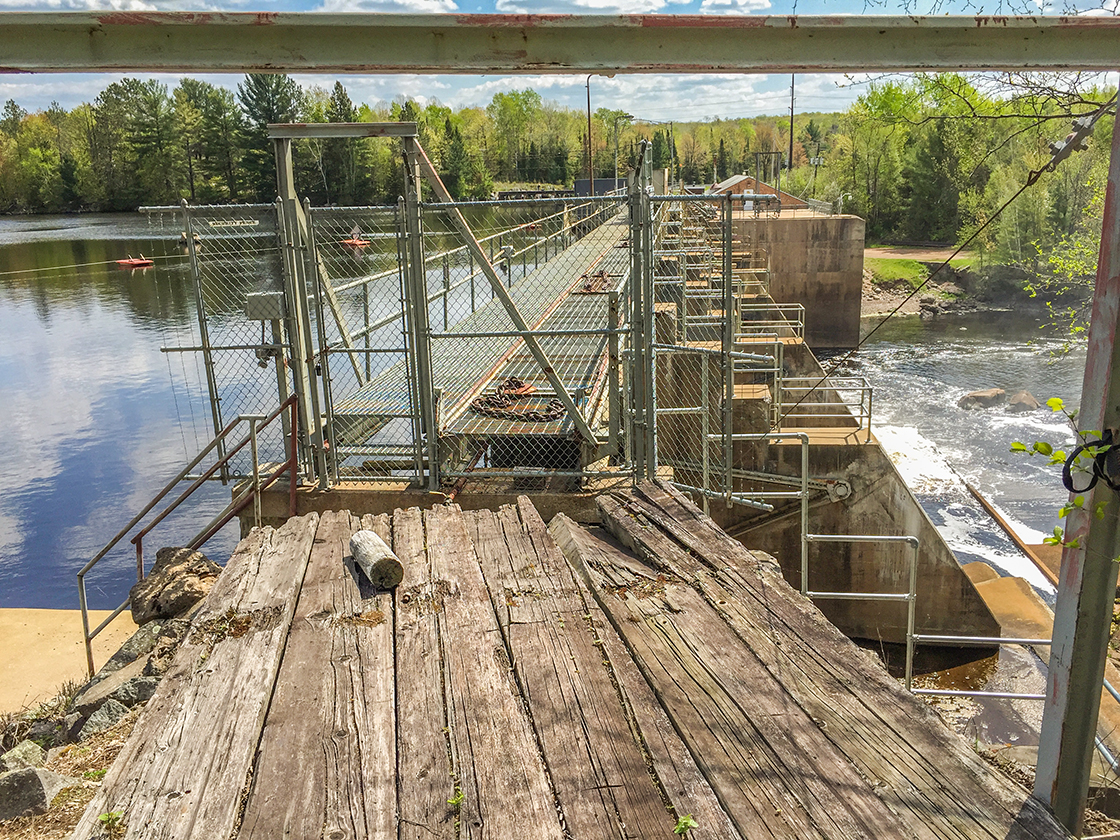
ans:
(533, 681)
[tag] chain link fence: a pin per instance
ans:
(236, 261)
(362, 336)
(505, 397)
(718, 356)
(524, 343)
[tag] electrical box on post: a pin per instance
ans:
(265, 306)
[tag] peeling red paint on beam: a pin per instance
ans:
(362, 43)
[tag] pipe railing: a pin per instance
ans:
(995, 641)
(910, 596)
(249, 494)
(858, 408)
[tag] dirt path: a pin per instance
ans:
(906, 252)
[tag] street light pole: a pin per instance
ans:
(590, 171)
(618, 117)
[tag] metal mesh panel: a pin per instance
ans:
(565, 265)
(371, 412)
(236, 260)
(718, 359)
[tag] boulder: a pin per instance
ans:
(135, 691)
(49, 731)
(983, 399)
(1022, 402)
(180, 578)
(139, 644)
(106, 716)
(89, 699)
(72, 726)
(26, 792)
(23, 754)
(172, 634)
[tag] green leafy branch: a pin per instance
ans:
(1091, 448)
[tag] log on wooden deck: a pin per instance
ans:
(919, 769)
(184, 768)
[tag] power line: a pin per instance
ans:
(1074, 141)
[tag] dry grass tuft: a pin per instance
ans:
(88, 761)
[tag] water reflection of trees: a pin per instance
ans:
(72, 273)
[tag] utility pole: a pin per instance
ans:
(789, 163)
(1087, 579)
(590, 171)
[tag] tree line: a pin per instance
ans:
(925, 158)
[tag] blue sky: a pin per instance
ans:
(649, 97)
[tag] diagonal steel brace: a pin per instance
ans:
(502, 294)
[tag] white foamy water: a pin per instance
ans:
(919, 370)
(967, 529)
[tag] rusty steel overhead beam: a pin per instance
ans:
(372, 43)
(307, 131)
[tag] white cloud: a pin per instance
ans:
(403, 6)
(733, 7)
(633, 7)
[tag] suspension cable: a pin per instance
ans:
(1074, 141)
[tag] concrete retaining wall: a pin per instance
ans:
(816, 261)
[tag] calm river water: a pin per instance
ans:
(97, 418)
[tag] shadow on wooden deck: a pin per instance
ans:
(527, 681)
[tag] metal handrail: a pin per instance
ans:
(236, 506)
(910, 596)
(986, 641)
(859, 410)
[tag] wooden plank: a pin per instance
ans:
(496, 757)
(424, 774)
(775, 772)
(919, 767)
(676, 770)
(186, 766)
(594, 758)
(326, 765)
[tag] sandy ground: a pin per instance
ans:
(905, 252)
(42, 649)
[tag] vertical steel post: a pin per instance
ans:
(1087, 579)
(640, 344)
(705, 427)
(320, 359)
(409, 336)
(256, 472)
(614, 407)
(299, 322)
(365, 325)
(804, 438)
(204, 336)
(418, 284)
(446, 288)
(645, 217)
(728, 347)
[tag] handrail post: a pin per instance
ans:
(140, 559)
(804, 438)
(292, 460)
(256, 472)
(911, 611)
(86, 638)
